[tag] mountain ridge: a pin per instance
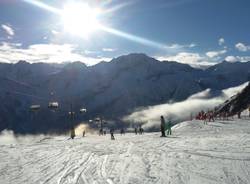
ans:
(110, 89)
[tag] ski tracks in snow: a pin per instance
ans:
(190, 156)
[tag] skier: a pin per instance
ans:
(163, 127)
(224, 115)
(121, 131)
(101, 132)
(169, 131)
(209, 116)
(212, 115)
(83, 133)
(205, 115)
(72, 133)
(136, 131)
(112, 134)
(239, 115)
(141, 130)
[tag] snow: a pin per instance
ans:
(215, 153)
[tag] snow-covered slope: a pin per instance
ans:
(215, 153)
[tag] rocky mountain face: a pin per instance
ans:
(236, 104)
(111, 89)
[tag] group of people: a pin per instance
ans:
(202, 115)
(206, 116)
(211, 115)
(122, 131)
(102, 132)
(139, 130)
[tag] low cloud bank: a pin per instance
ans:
(180, 111)
(8, 137)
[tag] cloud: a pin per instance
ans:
(237, 58)
(108, 49)
(221, 41)
(242, 47)
(192, 45)
(54, 32)
(8, 137)
(9, 30)
(50, 53)
(229, 92)
(183, 57)
(231, 59)
(90, 52)
(213, 54)
(180, 111)
(194, 59)
(177, 46)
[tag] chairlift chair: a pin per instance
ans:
(35, 108)
(97, 119)
(83, 110)
(53, 105)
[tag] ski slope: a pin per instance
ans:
(215, 153)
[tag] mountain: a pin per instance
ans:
(236, 103)
(109, 89)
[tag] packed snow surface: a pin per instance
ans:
(196, 153)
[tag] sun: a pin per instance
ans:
(80, 19)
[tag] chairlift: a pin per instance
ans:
(35, 108)
(83, 110)
(53, 105)
(97, 119)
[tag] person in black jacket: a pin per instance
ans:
(163, 127)
(72, 133)
(112, 134)
(136, 130)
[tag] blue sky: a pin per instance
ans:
(188, 31)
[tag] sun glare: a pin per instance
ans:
(80, 19)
